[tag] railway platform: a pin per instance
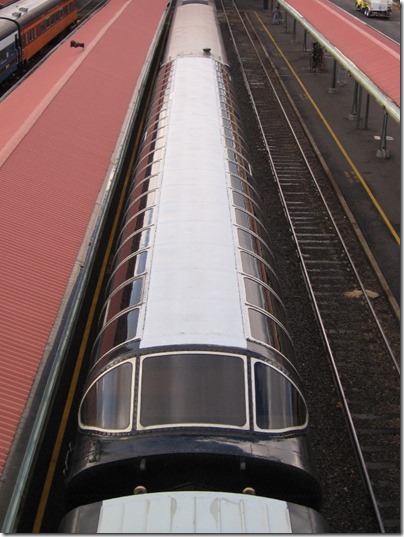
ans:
(348, 141)
(62, 133)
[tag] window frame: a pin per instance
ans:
(254, 400)
(245, 427)
(82, 426)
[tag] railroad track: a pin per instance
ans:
(360, 331)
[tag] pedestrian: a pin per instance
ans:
(316, 56)
(276, 19)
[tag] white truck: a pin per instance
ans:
(379, 8)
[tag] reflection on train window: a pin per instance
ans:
(108, 403)
(230, 143)
(133, 266)
(245, 187)
(241, 201)
(142, 202)
(236, 157)
(255, 245)
(260, 296)
(193, 389)
(250, 221)
(247, 202)
(265, 329)
(149, 183)
(134, 241)
(126, 296)
(118, 331)
(140, 218)
(153, 157)
(237, 169)
(278, 403)
(256, 267)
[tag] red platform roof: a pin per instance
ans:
(371, 52)
(58, 131)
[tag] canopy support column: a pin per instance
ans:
(383, 152)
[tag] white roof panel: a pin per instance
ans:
(194, 512)
(195, 30)
(193, 294)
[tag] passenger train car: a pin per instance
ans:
(27, 26)
(193, 417)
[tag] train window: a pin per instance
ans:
(144, 189)
(154, 155)
(139, 221)
(243, 186)
(108, 403)
(193, 389)
(120, 330)
(249, 221)
(148, 199)
(262, 297)
(138, 241)
(231, 113)
(265, 329)
(256, 267)
(241, 171)
(160, 102)
(235, 144)
(255, 245)
(244, 202)
(143, 184)
(278, 404)
(126, 296)
(132, 266)
(153, 140)
(243, 219)
(158, 123)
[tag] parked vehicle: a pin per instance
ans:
(373, 8)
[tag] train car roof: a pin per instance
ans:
(194, 221)
(24, 10)
(193, 22)
(193, 512)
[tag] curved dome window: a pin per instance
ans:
(265, 328)
(278, 404)
(118, 331)
(108, 404)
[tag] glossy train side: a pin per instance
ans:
(193, 397)
(29, 25)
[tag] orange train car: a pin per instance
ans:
(45, 22)
(29, 25)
